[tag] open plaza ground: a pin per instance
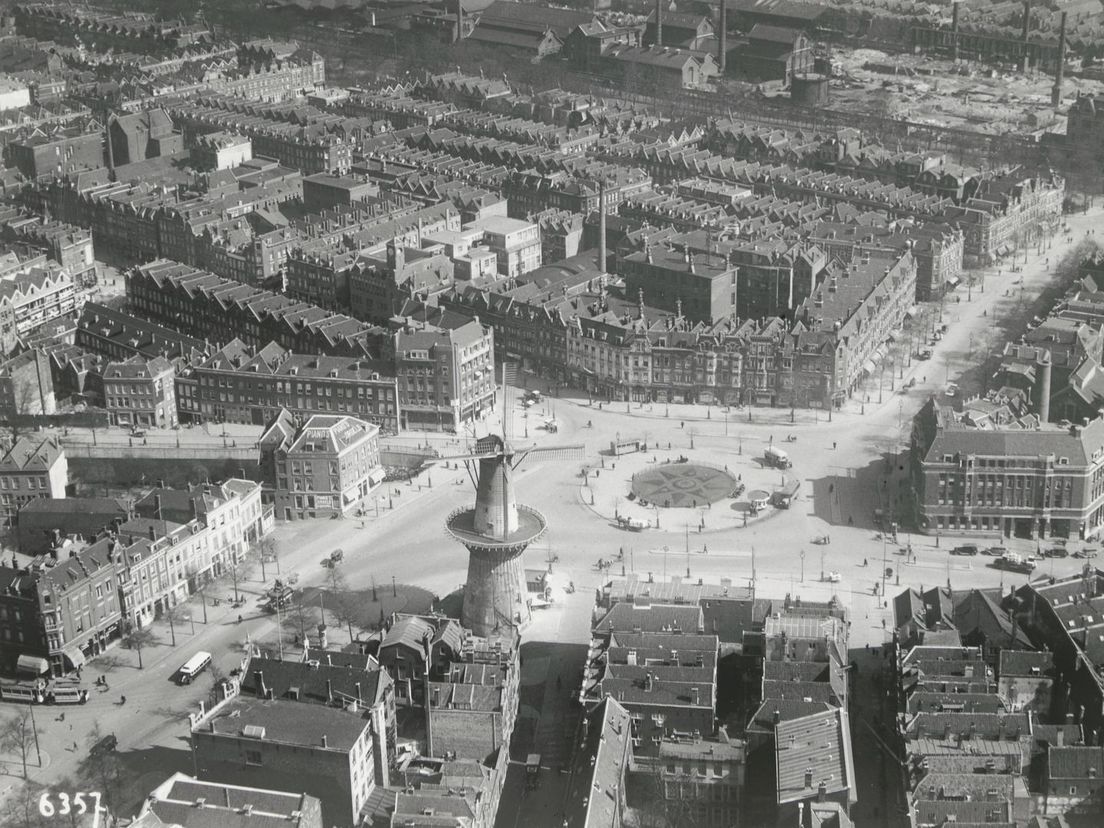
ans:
(847, 466)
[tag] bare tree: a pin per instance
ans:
(20, 735)
(19, 808)
(101, 769)
(137, 639)
(265, 549)
(239, 569)
(173, 615)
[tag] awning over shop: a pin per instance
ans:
(32, 664)
(891, 338)
(953, 281)
(868, 366)
(375, 477)
(74, 656)
(911, 312)
(1002, 250)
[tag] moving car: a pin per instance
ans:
(1086, 553)
(1056, 552)
(995, 551)
(965, 549)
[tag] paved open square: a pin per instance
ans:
(682, 485)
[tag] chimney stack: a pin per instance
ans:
(602, 226)
(954, 30)
(329, 690)
(659, 24)
(1059, 72)
(822, 791)
(325, 741)
(808, 777)
(722, 57)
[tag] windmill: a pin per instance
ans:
(496, 530)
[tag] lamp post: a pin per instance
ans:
(802, 556)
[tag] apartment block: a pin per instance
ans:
(240, 384)
(141, 392)
(30, 468)
(324, 752)
(203, 305)
(1036, 482)
(445, 375)
(324, 467)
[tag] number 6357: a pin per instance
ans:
(70, 804)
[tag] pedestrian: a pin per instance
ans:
(239, 618)
(833, 445)
(122, 700)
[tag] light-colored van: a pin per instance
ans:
(194, 666)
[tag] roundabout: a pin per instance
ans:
(682, 485)
(703, 490)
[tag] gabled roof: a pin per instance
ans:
(818, 745)
(653, 618)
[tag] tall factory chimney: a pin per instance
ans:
(602, 225)
(954, 30)
(1056, 92)
(459, 21)
(659, 23)
(722, 57)
(1026, 30)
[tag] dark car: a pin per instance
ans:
(1056, 552)
(995, 551)
(965, 549)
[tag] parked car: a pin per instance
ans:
(1056, 552)
(995, 551)
(925, 354)
(1086, 553)
(1014, 563)
(951, 390)
(965, 549)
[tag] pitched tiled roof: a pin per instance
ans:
(596, 795)
(1075, 762)
(1024, 663)
(818, 745)
(654, 618)
(316, 684)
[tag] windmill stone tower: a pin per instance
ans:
(496, 531)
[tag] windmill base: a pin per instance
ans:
(495, 594)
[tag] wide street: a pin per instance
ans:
(846, 467)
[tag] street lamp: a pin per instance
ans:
(802, 566)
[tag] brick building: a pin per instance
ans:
(173, 802)
(49, 153)
(324, 467)
(136, 137)
(141, 392)
(34, 298)
(204, 305)
(379, 288)
(26, 385)
(445, 375)
(322, 751)
(30, 468)
(240, 384)
(1038, 482)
